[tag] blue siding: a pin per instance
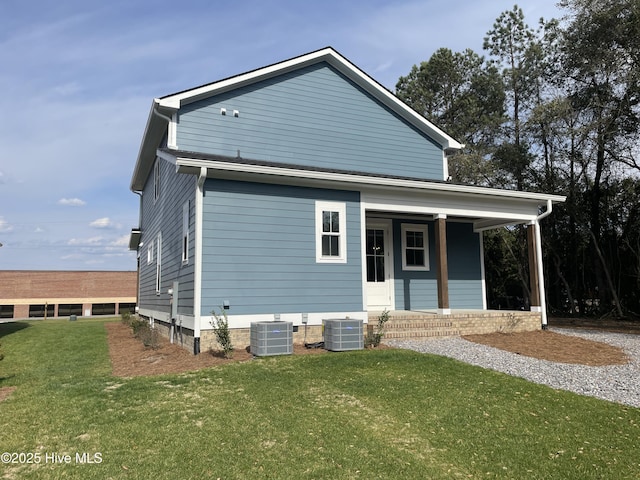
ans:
(259, 251)
(417, 290)
(164, 216)
(465, 273)
(313, 117)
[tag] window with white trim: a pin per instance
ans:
(415, 247)
(331, 232)
(185, 233)
(158, 263)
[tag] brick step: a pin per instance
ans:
(417, 327)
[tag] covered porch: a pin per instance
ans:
(423, 259)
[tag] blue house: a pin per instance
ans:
(304, 191)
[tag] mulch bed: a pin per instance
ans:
(130, 358)
(554, 347)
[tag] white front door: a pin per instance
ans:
(378, 265)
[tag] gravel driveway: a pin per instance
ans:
(616, 383)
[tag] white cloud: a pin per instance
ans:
(122, 241)
(5, 226)
(104, 222)
(72, 202)
(91, 241)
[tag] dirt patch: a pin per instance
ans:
(554, 347)
(130, 358)
(5, 392)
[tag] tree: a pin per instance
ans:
(516, 49)
(600, 49)
(462, 94)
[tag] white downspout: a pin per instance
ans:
(197, 270)
(543, 296)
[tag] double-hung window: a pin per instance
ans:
(415, 247)
(331, 232)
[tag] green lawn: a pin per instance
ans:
(371, 414)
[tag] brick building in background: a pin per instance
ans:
(47, 294)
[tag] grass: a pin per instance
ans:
(368, 414)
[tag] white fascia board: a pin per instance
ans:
(334, 59)
(456, 208)
(355, 180)
(195, 94)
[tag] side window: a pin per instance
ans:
(331, 232)
(158, 263)
(415, 247)
(185, 233)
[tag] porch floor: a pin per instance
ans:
(406, 324)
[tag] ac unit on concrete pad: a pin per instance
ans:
(343, 334)
(271, 338)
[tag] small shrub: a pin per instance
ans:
(223, 335)
(375, 334)
(126, 317)
(144, 332)
(150, 337)
(137, 324)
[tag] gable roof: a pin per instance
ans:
(162, 108)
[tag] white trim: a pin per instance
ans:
(369, 181)
(363, 254)
(540, 266)
(316, 318)
(415, 227)
(159, 263)
(184, 244)
(445, 166)
(172, 132)
(387, 226)
(197, 261)
(443, 311)
(482, 272)
(185, 321)
(334, 59)
(341, 209)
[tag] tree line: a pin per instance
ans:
(551, 108)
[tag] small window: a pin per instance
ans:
(185, 233)
(66, 309)
(6, 311)
(415, 247)
(150, 254)
(331, 237)
(41, 310)
(156, 180)
(103, 309)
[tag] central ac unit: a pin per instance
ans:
(343, 334)
(271, 338)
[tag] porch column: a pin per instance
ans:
(534, 280)
(442, 271)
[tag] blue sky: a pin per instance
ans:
(78, 77)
